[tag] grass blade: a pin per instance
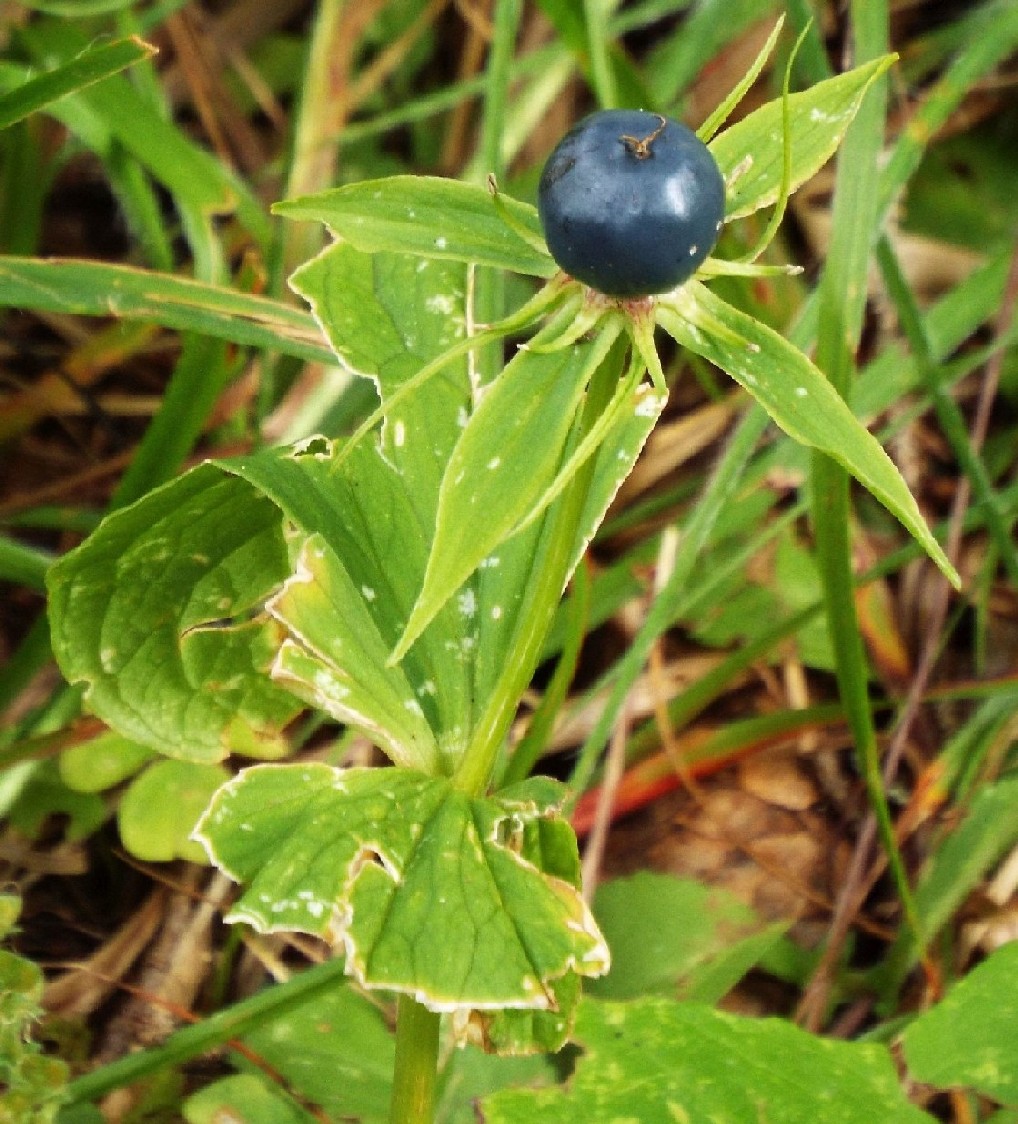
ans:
(93, 65)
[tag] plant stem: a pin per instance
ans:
(667, 605)
(416, 1070)
(602, 75)
(841, 305)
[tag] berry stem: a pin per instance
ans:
(641, 148)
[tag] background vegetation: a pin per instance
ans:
(729, 766)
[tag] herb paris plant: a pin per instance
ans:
(404, 583)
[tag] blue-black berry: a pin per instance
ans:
(631, 202)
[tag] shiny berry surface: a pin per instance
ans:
(631, 202)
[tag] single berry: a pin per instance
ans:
(631, 202)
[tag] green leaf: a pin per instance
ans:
(32, 798)
(968, 1039)
(508, 454)
(797, 397)
(160, 808)
(374, 512)
(102, 762)
(819, 118)
(241, 1097)
(151, 613)
(335, 658)
(114, 108)
(663, 931)
(90, 66)
(428, 888)
(471, 1074)
(658, 1062)
(622, 444)
(334, 1049)
(96, 289)
(387, 316)
(427, 217)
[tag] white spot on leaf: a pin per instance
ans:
(440, 303)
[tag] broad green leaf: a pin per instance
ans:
(387, 316)
(96, 289)
(427, 217)
(375, 512)
(90, 66)
(663, 930)
(507, 456)
(660, 1062)
(796, 395)
(507, 577)
(241, 1097)
(508, 580)
(334, 1049)
(968, 1039)
(102, 762)
(151, 613)
(430, 890)
(819, 118)
(161, 806)
(471, 1074)
(334, 658)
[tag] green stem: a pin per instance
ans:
(951, 419)
(602, 74)
(841, 305)
(662, 613)
(416, 1070)
(538, 735)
